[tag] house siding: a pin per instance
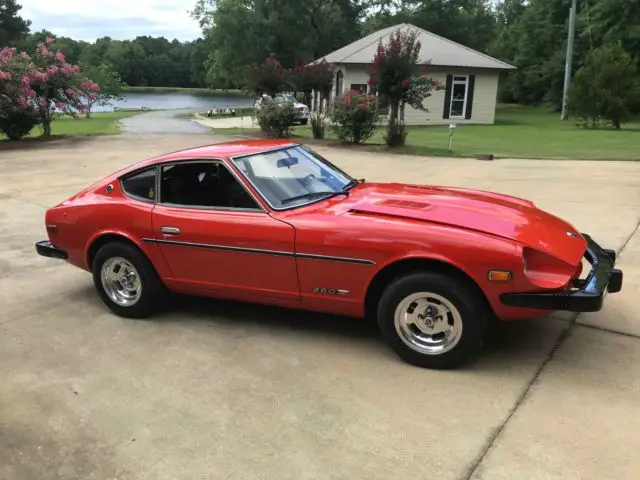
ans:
(484, 95)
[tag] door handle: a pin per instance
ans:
(170, 230)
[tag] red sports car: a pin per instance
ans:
(273, 222)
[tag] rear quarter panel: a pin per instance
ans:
(84, 219)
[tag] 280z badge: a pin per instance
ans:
(330, 291)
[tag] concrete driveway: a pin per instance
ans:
(229, 391)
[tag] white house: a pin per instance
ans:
(470, 77)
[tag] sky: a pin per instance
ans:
(118, 19)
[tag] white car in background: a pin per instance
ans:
(302, 111)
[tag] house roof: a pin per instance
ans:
(435, 50)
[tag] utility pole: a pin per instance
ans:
(569, 59)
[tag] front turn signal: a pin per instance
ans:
(499, 276)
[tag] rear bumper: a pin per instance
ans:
(586, 295)
(46, 249)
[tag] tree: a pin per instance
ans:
(608, 21)
(469, 22)
(606, 87)
(12, 26)
(313, 76)
(104, 86)
(243, 32)
(397, 78)
(267, 78)
(43, 83)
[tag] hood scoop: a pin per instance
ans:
(403, 204)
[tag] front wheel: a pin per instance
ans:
(432, 320)
(126, 281)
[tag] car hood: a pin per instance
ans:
(491, 213)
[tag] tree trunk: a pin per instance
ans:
(46, 122)
(393, 112)
(616, 123)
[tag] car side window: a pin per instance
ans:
(203, 184)
(141, 185)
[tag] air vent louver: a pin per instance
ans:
(402, 204)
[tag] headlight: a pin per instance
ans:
(544, 270)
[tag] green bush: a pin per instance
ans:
(396, 134)
(606, 87)
(276, 119)
(355, 117)
(15, 124)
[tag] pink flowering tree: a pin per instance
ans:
(42, 85)
(268, 78)
(15, 121)
(355, 117)
(398, 80)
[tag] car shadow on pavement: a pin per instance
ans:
(514, 346)
(231, 312)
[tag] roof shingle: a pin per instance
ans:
(435, 50)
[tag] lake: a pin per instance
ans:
(173, 101)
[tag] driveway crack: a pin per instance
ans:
(562, 338)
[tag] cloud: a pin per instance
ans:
(118, 19)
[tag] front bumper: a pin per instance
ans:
(586, 295)
(46, 249)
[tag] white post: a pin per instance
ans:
(569, 59)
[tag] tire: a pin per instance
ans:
(149, 292)
(466, 310)
(305, 121)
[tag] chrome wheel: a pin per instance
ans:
(428, 323)
(121, 281)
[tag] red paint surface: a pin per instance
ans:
(473, 231)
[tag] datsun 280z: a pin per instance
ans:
(273, 222)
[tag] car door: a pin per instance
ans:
(215, 235)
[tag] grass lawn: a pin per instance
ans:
(204, 92)
(100, 123)
(519, 132)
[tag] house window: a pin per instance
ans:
(459, 94)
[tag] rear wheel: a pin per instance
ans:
(432, 320)
(126, 281)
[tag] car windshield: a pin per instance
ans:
(293, 176)
(290, 98)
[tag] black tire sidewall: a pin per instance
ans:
(468, 302)
(153, 292)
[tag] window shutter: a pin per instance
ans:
(472, 84)
(447, 96)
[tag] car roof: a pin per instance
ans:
(223, 149)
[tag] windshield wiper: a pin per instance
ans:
(309, 195)
(352, 183)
